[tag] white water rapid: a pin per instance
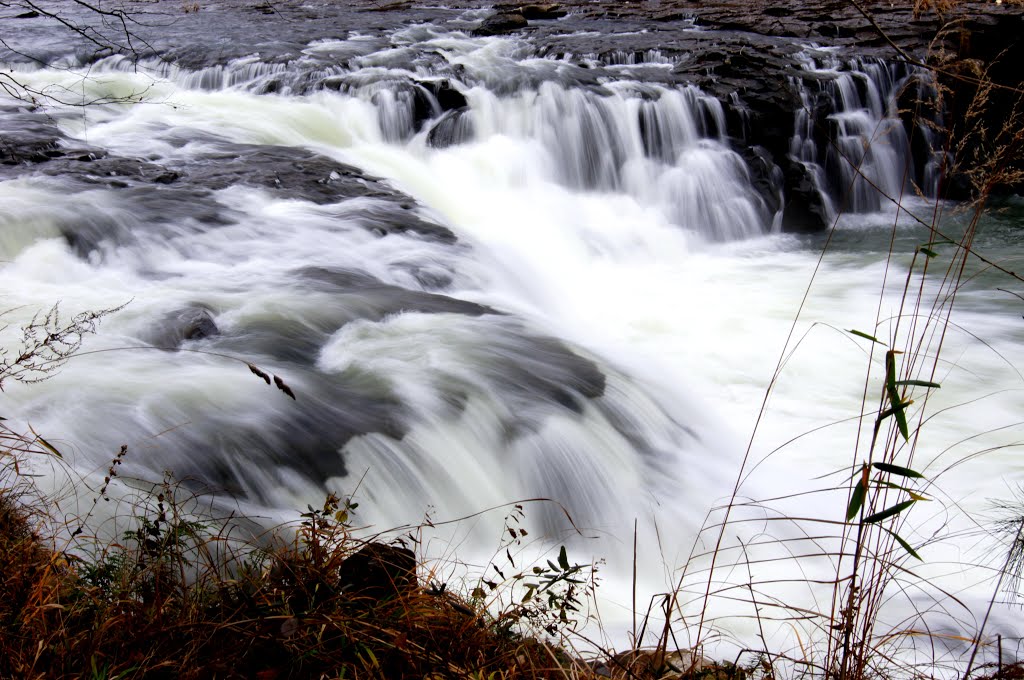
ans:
(558, 289)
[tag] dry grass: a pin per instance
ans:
(179, 598)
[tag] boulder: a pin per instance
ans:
(805, 208)
(196, 324)
(453, 128)
(501, 23)
(766, 176)
(189, 323)
(448, 98)
(533, 12)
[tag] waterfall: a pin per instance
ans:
(658, 145)
(849, 133)
(489, 270)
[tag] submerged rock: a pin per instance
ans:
(455, 127)
(370, 299)
(190, 323)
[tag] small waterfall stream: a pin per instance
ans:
(849, 133)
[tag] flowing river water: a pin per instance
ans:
(558, 288)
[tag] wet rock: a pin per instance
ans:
(297, 173)
(29, 138)
(291, 172)
(371, 299)
(95, 168)
(447, 96)
(805, 208)
(919, 107)
(385, 218)
(392, 6)
(534, 11)
(196, 324)
(378, 571)
(190, 323)
(836, 30)
(501, 23)
(292, 440)
(538, 370)
(766, 176)
(455, 127)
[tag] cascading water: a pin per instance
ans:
(536, 408)
(564, 287)
(849, 133)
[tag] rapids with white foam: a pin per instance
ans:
(601, 332)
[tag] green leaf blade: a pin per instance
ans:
(901, 421)
(862, 334)
(897, 470)
(856, 500)
(888, 512)
(919, 383)
(906, 546)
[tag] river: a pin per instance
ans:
(488, 276)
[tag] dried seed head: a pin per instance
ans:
(283, 387)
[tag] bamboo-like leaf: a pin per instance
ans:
(890, 370)
(888, 512)
(856, 500)
(894, 395)
(890, 411)
(47, 445)
(864, 335)
(897, 470)
(563, 559)
(928, 251)
(900, 415)
(919, 383)
(903, 543)
(910, 492)
(899, 412)
(50, 447)
(892, 485)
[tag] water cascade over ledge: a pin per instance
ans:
(489, 268)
